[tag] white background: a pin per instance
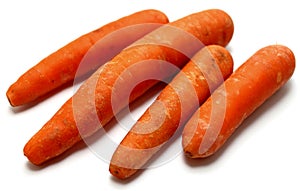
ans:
(262, 154)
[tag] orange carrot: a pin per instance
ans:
(61, 66)
(244, 91)
(104, 94)
(171, 109)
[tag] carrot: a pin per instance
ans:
(104, 94)
(172, 108)
(243, 92)
(61, 66)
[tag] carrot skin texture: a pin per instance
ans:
(91, 107)
(244, 91)
(172, 108)
(61, 66)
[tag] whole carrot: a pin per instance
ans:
(244, 91)
(61, 66)
(104, 94)
(171, 109)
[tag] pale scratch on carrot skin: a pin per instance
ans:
(279, 77)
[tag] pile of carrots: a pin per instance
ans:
(205, 101)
